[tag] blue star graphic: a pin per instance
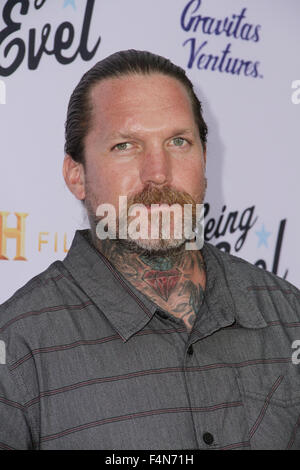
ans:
(69, 2)
(263, 236)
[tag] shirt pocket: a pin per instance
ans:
(272, 408)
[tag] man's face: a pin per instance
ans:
(144, 144)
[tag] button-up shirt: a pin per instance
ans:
(92, 363)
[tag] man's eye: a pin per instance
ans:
(179, 141)
(122, 146)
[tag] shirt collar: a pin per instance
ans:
(226, 297)
(127, 311)
(226, 291)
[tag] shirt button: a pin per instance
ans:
(190, 350)
(208, 438)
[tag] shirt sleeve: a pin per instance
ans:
(14, 427)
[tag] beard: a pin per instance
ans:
(159, 244)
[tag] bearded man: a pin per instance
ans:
(134, 341)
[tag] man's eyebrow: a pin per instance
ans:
(122, 135)
(182, 132)
(125, 135)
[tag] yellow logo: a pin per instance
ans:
(17, 232)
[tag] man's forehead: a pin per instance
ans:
(134, 107)
(139, 99)
(133, 88)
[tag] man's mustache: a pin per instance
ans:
(161, 195)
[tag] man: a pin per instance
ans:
(137, 342)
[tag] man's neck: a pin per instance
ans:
(175, 280)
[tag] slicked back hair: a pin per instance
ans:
(117, 65)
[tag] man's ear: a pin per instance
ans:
(74, 177)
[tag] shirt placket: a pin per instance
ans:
(208, 430)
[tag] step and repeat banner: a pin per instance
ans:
(243, 58)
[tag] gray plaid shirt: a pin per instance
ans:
(91, 363)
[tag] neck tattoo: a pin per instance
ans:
(175, 281)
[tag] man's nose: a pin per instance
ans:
(156, 166)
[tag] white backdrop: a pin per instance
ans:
(243, 68)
